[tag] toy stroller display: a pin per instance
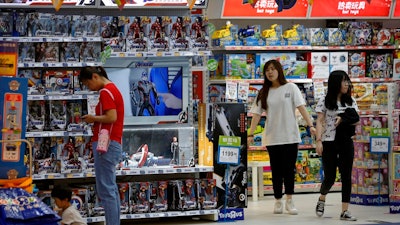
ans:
(18, 205)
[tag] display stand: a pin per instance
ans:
(229, 154)
(379, 144)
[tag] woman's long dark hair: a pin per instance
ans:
(88, 71)
(263, 93)
(334, 87)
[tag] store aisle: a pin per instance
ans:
(260, 213)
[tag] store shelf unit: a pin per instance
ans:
(243, 50)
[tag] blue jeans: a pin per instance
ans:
(106, 181)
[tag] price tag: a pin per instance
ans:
(379, 144)
(228, 155)
(228, 150)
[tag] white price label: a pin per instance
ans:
(228, 155)
(379, 144)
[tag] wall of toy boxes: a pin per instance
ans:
(366, 50)
(52, 48)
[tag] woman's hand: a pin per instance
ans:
(313, 131)
(338, 121)
(88, 118)
(250, 141)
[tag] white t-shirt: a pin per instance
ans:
(330, 117)
(71, 216)
(281, 125)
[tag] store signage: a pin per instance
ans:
(265, 8)
(156, 3)
(228, 150)
(8, 58)
(396, 12)
(351, 8)
(379, 140)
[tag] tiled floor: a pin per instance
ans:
(260, 213)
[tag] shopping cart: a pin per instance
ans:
(18, 206)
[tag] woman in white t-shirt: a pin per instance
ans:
(280, 99)
(337, 116)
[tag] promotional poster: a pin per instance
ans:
(230, 120)
(152, 92)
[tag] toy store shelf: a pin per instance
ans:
(255, 81)
(158, 54)
(372, 113)
(52, 39)
(164, 170)
(256, 148)
(263, 48)
(57, 97)
(156, 215)
(300, 188)
(136, 171)
(57, 64)
(300, 47)
(58, 133)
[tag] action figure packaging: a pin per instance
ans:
(44, 155)
(58, 82)
(87, 154)
(58, 115)
(47, 52)
(117, 44)
(217, 93)
(75, 110)
(139, 197)
(6, 24)
(207, 193)
(26, 52)
(45, 25)
(79, 200)
(36, 115)
(189, 195)
(164, 146)
(176, 195)
(20, 24)
(199, 37)
(90, 52)
(35, 82)
(158, 196)
(77, 26)
(69, 51)
(158, 38)
(62, 25)
(135, 33)
(123, 189)
(92, 26)
(71, 156)
(178, 33)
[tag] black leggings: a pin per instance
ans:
(283, 160)
(337, 154)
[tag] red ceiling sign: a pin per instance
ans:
(396, 12)
(265, 8)
(350, 8)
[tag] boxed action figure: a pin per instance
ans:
(36, 115)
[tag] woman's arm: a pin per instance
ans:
(254, 122)
(304, 113)
(318, 133)
(109, 116)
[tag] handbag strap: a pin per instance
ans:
(101, 107)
